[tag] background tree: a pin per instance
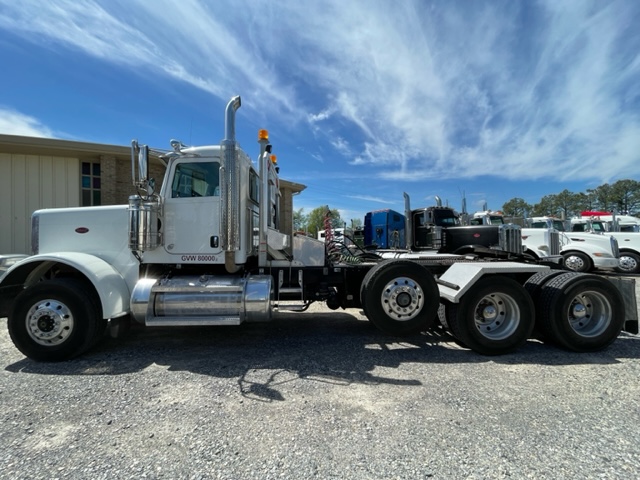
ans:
(315, 220)
(625, 195)
(569, 204)
(603, 198)
(516, 207)
(300, 220)
(546, 207)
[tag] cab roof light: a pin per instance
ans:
(263, 135)
(274, 159)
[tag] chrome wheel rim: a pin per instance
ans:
(589, 314)
(49, 322)
(575, 263)
(497, 316)
(402, 299)
(627, 263)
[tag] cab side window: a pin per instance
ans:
(197, 179)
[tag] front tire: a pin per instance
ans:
(400, 297)
(55, 320)
(629, 263)
(581, 312)
(494, 317)
(577, 262)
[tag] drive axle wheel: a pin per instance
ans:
(400, 297)
(55, 320)
(494, 317)
(581, 312)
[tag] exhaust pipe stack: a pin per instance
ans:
(408, 224)
(230, 187)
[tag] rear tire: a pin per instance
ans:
(56, 320)
(400, 297)
(534, 286)
(581, 312)
(494, 317)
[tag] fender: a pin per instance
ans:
(108, 282)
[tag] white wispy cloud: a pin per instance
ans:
(369, 198)
(16, 123)
(421, 90)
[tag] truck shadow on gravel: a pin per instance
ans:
(334, 347)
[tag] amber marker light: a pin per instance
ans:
(263, 135)
(274, 159)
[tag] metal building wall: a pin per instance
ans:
(28, 183)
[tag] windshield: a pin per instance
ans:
(445, 218)
(557, 224)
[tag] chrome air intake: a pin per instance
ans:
(144, 234)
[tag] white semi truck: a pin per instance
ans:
(582, 252)
(628, 241)
(205, 250)
(543, 244)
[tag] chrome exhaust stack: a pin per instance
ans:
(408, 225)
(230, 187)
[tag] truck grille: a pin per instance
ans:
(614, 247)
(510, 238)
(554, 242)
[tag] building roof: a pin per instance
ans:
(61, 148)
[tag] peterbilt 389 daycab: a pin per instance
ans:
(206, 250)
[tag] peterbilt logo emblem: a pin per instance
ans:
(82, 230)
(476, 235)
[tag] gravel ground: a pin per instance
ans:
(318, 395)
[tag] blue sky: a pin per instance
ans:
(363, 99)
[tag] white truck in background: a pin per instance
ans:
(542, 244)
(582, 252)
(613, 222)
(628, 241)
(544, 238)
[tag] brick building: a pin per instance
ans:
(40, 173)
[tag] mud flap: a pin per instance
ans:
(627, 287)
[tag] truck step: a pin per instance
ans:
(290, 307)
(192, 321)
(290, 290)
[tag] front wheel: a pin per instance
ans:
(55, 320)
(400, 297)
(629, 263)
(577, 261)
(494, 317)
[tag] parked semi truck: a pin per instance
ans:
(628, 241)
(438, 230)
(545, 238)
(582, 252)
(542, 244)
(206, 250)
(613, 222)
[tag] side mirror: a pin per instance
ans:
(140, 174)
